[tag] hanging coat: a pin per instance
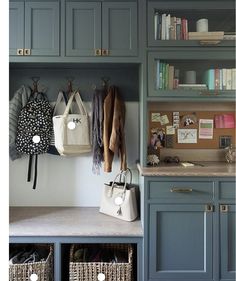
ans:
(113, 129)
(18, 101)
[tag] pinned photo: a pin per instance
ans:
(158, 138)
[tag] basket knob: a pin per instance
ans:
(101, 277)
(34, 277)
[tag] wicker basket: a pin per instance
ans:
(43, 269)
(88, 271)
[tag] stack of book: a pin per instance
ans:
(221, 79)
(167, 27)
(212, 35)
(167, 77)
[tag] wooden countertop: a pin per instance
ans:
(207, 169)
(68, 221)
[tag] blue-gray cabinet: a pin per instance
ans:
(34, 28)
(227, 242)
(189, 228)
(16, 27)
(101, 29)
(180, 242)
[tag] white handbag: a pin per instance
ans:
(71, 131)
(119, 199)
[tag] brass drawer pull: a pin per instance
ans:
(224, 208)
(20, 52)
(181, 190)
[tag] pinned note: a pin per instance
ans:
(170, 130)
(164, 120)
(156, 117)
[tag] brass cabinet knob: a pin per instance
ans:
(224, 208)
(20, 52)
(98, 52)
(209, 208)
(27, 52)
(105, 52)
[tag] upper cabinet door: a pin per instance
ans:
(83, 28)
(42, 28)
(16, 27)
(119, 28)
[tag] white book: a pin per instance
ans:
(233, 78)
(155, 25)
(228, 79)
(168, 27)
(224, 82)
(163, 27)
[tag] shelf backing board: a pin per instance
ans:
(201, 112)
(85, 77)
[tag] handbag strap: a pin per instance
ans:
(125, 174)
(61, 96)
(79, 102)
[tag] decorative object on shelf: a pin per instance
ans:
(152, 160)
(190, 77)
(119, 199)
(170, 159)
(230, 154)
(202, 25)
(71, 131)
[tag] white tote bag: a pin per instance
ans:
(119, 199)
(71, 131)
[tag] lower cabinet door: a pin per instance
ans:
(180, 242)
(227, 242)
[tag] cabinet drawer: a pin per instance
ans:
(200, 190)
(227, 190)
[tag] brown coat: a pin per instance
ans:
(113, 129)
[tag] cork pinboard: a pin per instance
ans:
(213, 143)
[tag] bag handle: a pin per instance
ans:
(79, 102)
(125, 182)
(125, 174)
(60, 96)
